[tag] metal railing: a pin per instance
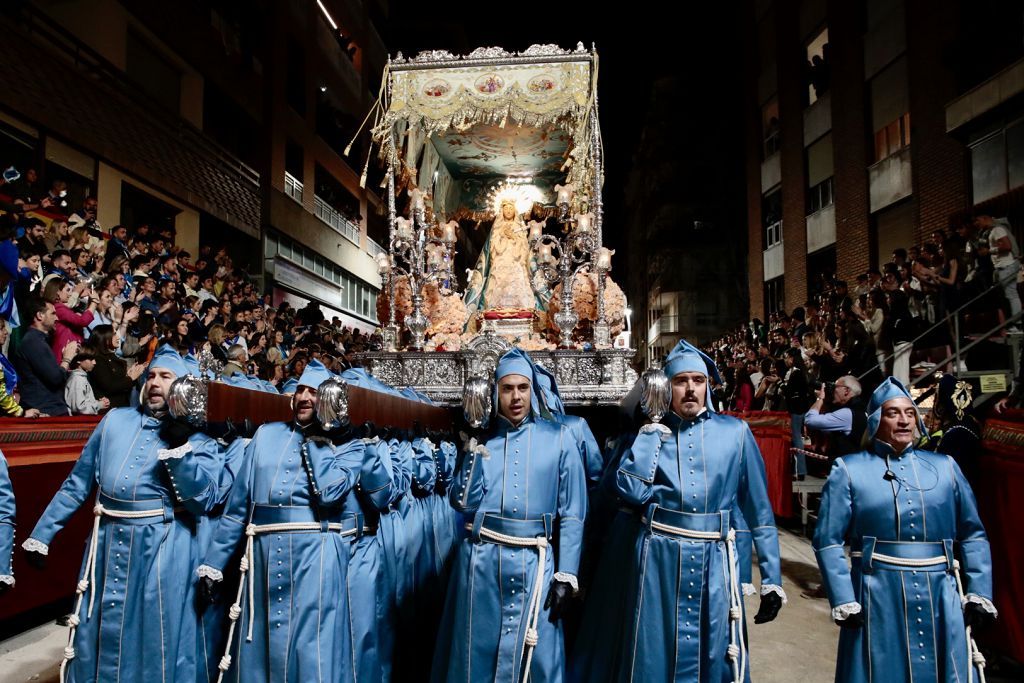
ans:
(373, 248)
(293, 187)
(329, 215)
(955, 315)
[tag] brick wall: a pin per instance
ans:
(940, 163)
(791, 58)
(850, 140)
(753, 136)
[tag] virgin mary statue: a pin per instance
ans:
(501, 279)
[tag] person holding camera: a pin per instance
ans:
(846, 422)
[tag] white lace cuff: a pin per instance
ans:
(205, 571)
(767, 588)
(370, 442)
(748, 589)
(569, 579)
(7, 578)
(174, 453)
(656, 427)
(985, 603)
(33, 546)
(845, 611)
(474, 447)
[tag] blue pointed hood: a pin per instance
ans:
(314, 374)
(517, 362)
(169, 359)
(686, 357)
(889, 389)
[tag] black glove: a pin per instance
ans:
(175, 432)
(207, 590)
(852, 621)
(4, 587)
(559, 595)
(35, 560)
(976, 617)
(771, 603)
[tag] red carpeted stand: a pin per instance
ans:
(772, 431)
(999, 488)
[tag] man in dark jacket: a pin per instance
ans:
(40, 379)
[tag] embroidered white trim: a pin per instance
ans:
(985, 603)
(174, 453)
(656, 427)
(749, 589)
(569, 579)
(844, 611)
(33, 546)
(7, 578)
(767, 588)
(205, 571)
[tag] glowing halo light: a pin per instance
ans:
(521, 190)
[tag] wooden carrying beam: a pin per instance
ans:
(224, 401)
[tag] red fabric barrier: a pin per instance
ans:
(772, 431)
(998, 485)
(40, 453)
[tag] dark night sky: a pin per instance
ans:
(636, 47)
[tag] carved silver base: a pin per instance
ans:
(599, 377)
(509, 328)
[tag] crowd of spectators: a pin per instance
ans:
(867, 331)
(804, 360)
(83, 309)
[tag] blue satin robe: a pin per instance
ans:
(365, 573)
(7, 524)
(533, 470)
(679, 606)
(144, 624)
(593, 461)
(301, 614)
(914, 626)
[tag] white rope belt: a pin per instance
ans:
(89, 570)
(686, 533)
(737, 644)
(246, 579)
(974, 656)
(904, 561)
(737, 650)
(533, 608)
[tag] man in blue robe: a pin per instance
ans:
(684, 479)
(522, 482)
(135, 617)
(910, 519)
(290, 618)
(6, 528)
(593, 461)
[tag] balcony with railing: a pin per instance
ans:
(666, 324)
(293, 187)
(329, 215)
(373, 249)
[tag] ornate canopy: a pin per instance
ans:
(458, 127)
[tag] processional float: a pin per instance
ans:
(498, 154)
